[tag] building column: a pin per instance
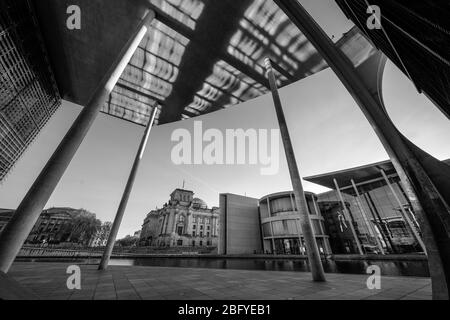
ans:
(17, 230)
(271, 226)
(175, 222)
(347, 214)
(299, 232)
(126, 194)
(188, 229)
(383, 229)
(366, 220)
(274, 251)
(299, 196)
(403, 212)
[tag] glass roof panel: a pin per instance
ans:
(201, 56)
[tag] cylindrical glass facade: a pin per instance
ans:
(280, 224)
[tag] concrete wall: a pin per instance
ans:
(240, 230)
(80, 58)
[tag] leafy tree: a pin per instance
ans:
(128, 241)
(81, 228)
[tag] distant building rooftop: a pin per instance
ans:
(358, 174)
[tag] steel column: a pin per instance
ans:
(366, 220)
(299, 195)
(347, 213)
(403, 212)
(126, 194)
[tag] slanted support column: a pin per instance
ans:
(299, 195)
(433, 212)
(126, 194)
(17, 230)
(370, 227)
(403, 212)
(347, 214)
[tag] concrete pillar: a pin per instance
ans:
(299, 195)
(126, 194)
(350, 218)
(17, 230)
(431, 209)
(403, 212)
(372, 231)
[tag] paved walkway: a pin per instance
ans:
(48, 281)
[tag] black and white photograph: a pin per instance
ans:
(223, 158)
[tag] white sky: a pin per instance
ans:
(328, 131)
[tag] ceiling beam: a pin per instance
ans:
(187, 32)
(146, 95)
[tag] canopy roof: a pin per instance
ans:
(199, 56)
(360, 175)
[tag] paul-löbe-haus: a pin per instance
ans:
(134, 60)
(367, 212)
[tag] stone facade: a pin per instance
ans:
(101, 237)
(183, 221)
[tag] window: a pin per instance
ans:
(179, 242)
(280, 205)
(193, 243)
(201, 243)
(266, 230)
(208, 243)
(180, 230)
(207, 220)
(207, 234)
(193, 234)
(182, 218)
(201, 220)
(201, 227)
(201, 233)
(208, 227)
(194, 226)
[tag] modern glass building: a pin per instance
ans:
(28, 92)
(280, 224)
(378, 217)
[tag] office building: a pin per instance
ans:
(28, 92)
(377, 207)
(240, 228)
(269, 225)
(281, 231)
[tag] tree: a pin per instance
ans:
(128, 241)
(81, 228)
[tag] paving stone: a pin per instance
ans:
(48, 281)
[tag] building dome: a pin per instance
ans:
(199, 203)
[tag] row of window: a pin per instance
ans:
(289, 227)
(201, 227)
(193, 243)
(194, 234)
(196, 219)
(201, 219)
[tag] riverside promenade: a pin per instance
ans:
(48, 281)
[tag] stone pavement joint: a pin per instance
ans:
(48, 281)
